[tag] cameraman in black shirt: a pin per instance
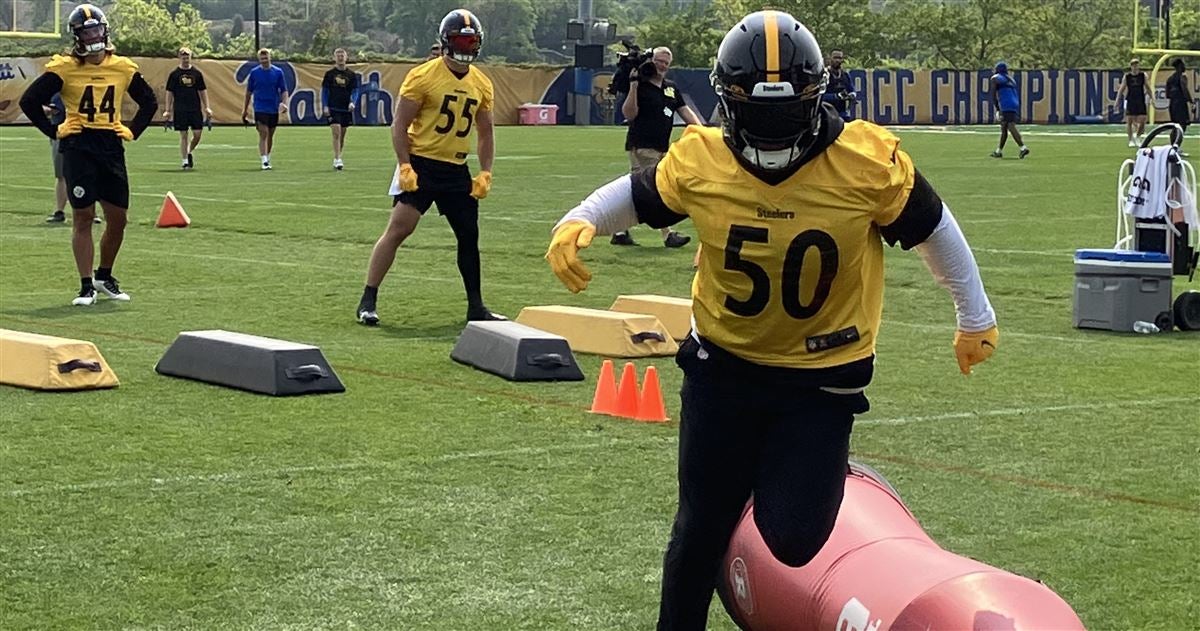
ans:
(650, 108)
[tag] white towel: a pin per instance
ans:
(1146, 198)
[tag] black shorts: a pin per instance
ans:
(1180, 113)
(188, 120)
(93, 177)
(1135, 107)
(446, 184)
(270, 120)
(1009, 117)
(345, 119)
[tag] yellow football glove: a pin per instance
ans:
(124, 132)
(69, 127)
(973, 348)
(563, 254)
(481, 185)
(408, 178)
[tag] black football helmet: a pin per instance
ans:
(769, 78)
(89, 28)
(461, 36)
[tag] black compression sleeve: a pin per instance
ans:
(651, 210)
(38, 94)
(143, 94)
(917, 220)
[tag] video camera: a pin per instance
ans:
(633, 57)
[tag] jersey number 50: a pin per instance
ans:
(87, 104)
(760, 292)
(466, 114)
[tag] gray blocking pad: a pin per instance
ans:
(249, 362)
(516, 352)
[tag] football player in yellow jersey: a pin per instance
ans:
(441, 102)
(93, 81)
(792, 207)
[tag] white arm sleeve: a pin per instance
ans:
(949, 258)
(609, 208)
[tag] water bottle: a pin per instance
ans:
(1141, 326)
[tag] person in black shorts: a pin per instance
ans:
(1133, 89)
(187, 105)
(93, 81)
(339, 94)
(1179, 96)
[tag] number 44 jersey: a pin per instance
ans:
(449, 105)
(92, 93)
(790, 274)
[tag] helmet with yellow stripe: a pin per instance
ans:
(461, 35)
(89, 29)
(769, 78)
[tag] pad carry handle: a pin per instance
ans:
(305, 372)
(639, 338)
(548, 360)
(79, 364)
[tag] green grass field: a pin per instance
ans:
(433, 496)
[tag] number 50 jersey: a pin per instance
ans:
(92, 93)
(442, 129)
(790, 275)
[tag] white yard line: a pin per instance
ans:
(1026, 411)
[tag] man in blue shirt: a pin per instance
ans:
(269, 90)
(1005, 99)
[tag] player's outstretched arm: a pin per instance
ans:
(949, 258)
(485, 143)
(607, 210)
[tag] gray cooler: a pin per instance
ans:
(1115, 288)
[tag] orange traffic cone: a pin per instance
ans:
(605, 399)
(627, 393)
(171, 215)
(651, 408)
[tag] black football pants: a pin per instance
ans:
(740, 434)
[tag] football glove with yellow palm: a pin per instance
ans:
(973, 348)
(408, 178)
(481, 185)
(563, 254)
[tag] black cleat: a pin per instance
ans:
(676, 240)
(366, 315)
(191, 164)
(622, 238)
(483, 314)
(58, 217)
(1024, 152)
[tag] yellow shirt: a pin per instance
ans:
(442, 128)
(790, 275)
(92, 93)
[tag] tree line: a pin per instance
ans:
(963, 34)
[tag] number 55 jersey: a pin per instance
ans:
(790, 274)
(449, 105)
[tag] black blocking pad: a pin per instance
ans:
(516, 352)
(249, 362)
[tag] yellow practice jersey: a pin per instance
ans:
(92, 93)
(449, 105)
(790, 275)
